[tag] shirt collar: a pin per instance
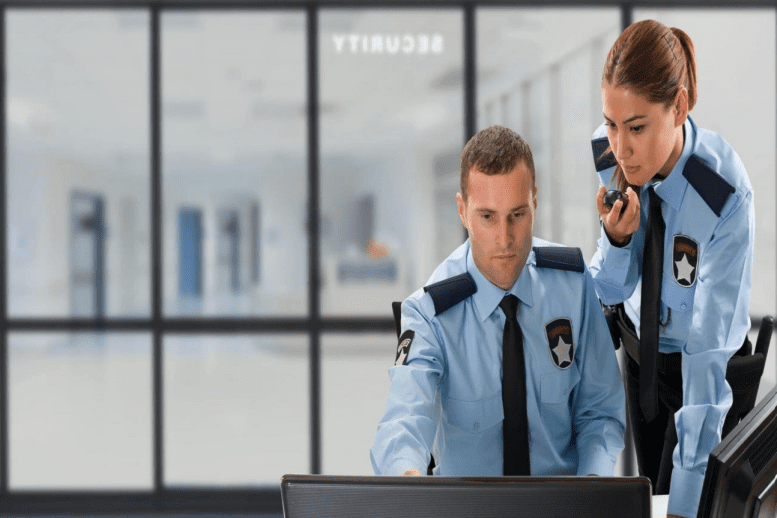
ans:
(488, 295)
(672, 189)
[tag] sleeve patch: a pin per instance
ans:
(403, 348)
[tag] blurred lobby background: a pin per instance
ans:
(208, 215)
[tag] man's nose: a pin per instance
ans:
(505, 234)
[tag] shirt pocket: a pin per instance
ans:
(475, 416)
(555, 407)
(679, 298)
(556, 387)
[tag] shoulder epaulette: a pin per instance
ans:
(600, 145)
(449, 292)
(560, 258)
(712, 188)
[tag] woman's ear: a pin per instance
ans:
(681, 107)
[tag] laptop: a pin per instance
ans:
(328, 496)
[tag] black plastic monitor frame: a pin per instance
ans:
(322, 496)
(742, 469)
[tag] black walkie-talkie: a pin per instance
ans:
(610, 197)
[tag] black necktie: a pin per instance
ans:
(516, 424)
(650, 307)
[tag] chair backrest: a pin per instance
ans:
(744, 376)
(762, 347)
(397, 308)
(764, 335)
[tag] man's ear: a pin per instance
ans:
(534, 197)
(462, 206)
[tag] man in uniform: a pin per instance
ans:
(537, 393)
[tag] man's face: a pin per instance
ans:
(499, 214)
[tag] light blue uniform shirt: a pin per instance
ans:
(705, 299)
(447, 397)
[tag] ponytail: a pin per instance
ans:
(690, 65)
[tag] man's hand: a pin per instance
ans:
(413, 473)
(619, 226)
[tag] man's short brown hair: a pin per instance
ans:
(494, 150)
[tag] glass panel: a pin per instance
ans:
(391, 134)
(235, 169)
(539, 73)
(737, 101)
(80, 411)
(78, 163)
(355, 383)
(237, 409)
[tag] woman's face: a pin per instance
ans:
(646, 137)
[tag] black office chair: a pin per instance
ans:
(396, 307)
(744, 375)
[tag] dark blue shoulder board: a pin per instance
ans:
(450, 292)
(600, 145)
(712, 188)
(560, 258)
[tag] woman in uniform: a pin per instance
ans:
(675, 255)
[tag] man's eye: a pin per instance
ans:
(637, 129)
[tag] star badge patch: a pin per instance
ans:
(685, 260)
(403, 348)
(560, 342)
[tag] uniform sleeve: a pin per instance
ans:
(719, 325)
(599, 399)
(407, 429)
(615, 270)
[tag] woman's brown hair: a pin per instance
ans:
(652, 60)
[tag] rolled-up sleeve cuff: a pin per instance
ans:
(601, 465)
(685, 492)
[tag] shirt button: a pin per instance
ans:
(476, 426)
(683, 306)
